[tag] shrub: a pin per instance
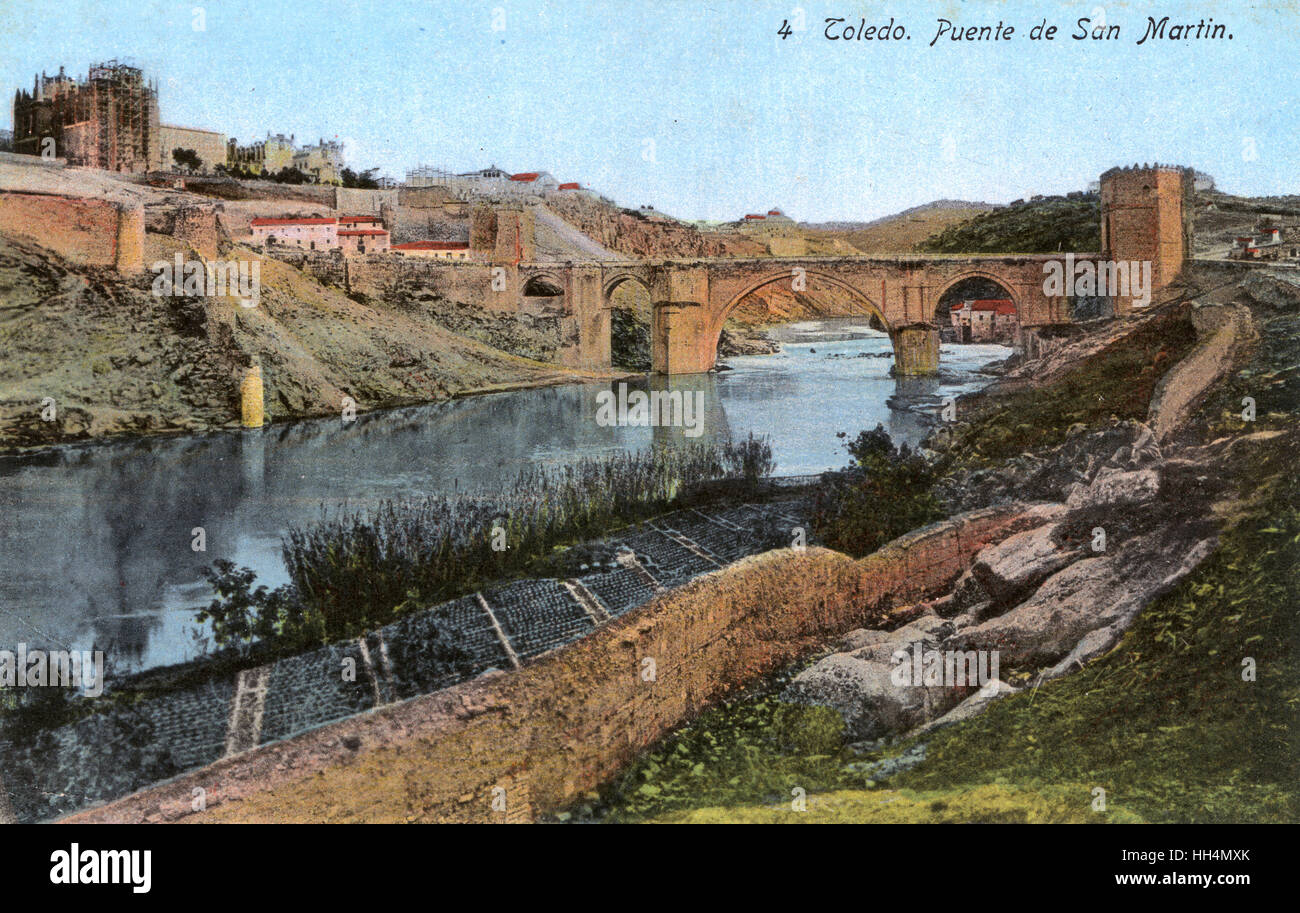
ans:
(884, 492)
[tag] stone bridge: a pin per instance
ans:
(692, 299)
(1145, 219)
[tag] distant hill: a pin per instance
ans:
(1041, 225)
(901, 232)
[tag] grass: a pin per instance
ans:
(361, 570)
(993, 804)
(1166, 723)
(1116, 382)
(1034, 227)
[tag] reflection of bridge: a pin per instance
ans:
(1143, 219)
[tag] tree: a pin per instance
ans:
(288, 175)
(365, 180)
(187, 159)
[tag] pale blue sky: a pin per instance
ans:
(739, 119)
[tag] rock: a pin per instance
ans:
(863, 694)
(1090, 646)
(1009, 570)
(1090, 594)
(966, 593)
(1112, 487)
(972, 706)
(859, 684)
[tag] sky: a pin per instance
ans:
(701, 109)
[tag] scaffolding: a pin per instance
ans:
(109, 120)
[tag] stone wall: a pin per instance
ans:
(356, 200)
(570, 720)
(84, 231)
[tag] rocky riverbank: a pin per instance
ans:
(91, 354)
(1126, 524)
(1127, 658)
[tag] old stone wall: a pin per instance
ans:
(570, 720)
(84, 231)
(357, 200)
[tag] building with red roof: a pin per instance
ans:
(351, 234)
(363, 240)
(533, 182)
(434, 250)
(985, 320)
(302, 234)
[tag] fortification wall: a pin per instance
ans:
(352, 199)
(84, 231)
(567, 722)
(196, 225)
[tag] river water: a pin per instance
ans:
(96, 545)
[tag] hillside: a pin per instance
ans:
(1041, 225)
(116, 359)
(901, 232)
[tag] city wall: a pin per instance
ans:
(568, 722)
(84, 231)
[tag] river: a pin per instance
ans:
(96, 547)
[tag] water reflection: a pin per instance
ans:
(96, 545)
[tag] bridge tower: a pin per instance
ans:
(1146, 215)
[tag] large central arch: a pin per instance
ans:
(719, 319)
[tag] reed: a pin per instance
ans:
(355, 570)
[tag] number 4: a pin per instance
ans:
(784, 30)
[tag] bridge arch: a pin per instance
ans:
(613, 280)
(988, 276)
(980, 325)
(857, 294)
(544, 284)
(719, 318)
(628, 320)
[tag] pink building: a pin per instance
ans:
(985, 320)
(351, 234)
(363, 240)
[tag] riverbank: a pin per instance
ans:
(95, 356)
(1144, 675)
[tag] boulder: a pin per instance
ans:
(1113, 487)
(865, 696)
(1009, 570)
(1090, 594)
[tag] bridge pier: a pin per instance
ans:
(916, 350)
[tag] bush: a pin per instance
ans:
(884, 492)
(240, 614)
(355, 571)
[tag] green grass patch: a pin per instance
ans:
(1035, 227)
(993, 804)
